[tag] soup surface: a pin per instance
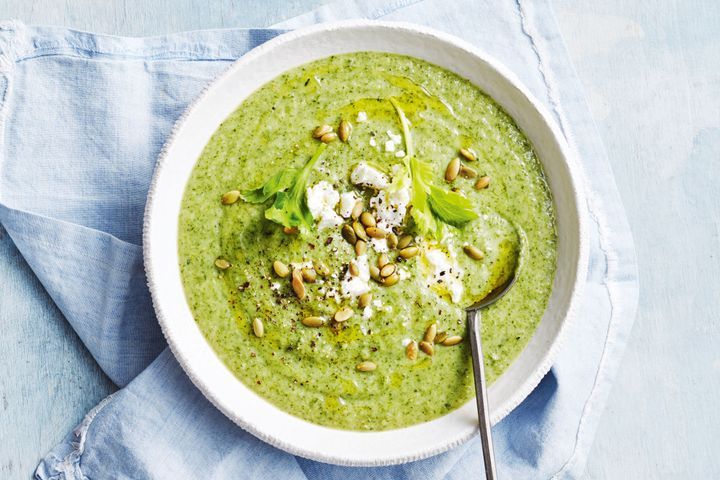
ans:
(356, 321)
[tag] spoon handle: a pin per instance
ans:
(481, 394)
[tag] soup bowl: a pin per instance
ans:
(194, 353)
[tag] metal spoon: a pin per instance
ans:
(479, 372)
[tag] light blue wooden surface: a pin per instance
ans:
(651, 72)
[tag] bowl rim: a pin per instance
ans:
(575, 177)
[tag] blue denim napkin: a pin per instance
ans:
(83, 118)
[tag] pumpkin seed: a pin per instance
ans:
(482, 182)
(409, 252)
(313, 322)
(321, 269)
(427, 348)
(376, 232)
(383, 260)
(440, 337)
(374, 272)
(364, 300)
(308, 275)
(357, 210)
(258, 327)
(468, 154)
(344, 130)
(473, 252)
(452, 170)
(467, 172)
(430, 333)
(391, 280)
(353, 269)
(388, 270)
(411, 350)
(329, 137)
(367, 219)
(343, 314)
(222, 264)
(230, 197)
(359, 230)
(392, 240)
(360, 247)
(348, 234)
(366, 366)
(404, 241)
(281, 270)
(297, 284)
(450, 341)
(322, 130)
(290, 230)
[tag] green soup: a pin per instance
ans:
(369, 371)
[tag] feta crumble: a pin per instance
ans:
(353, 286)
(321, 200)
(347, 203)
(389, 146)
(361, 117)
(367, 176)
(443, 275)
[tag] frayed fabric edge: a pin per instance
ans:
(65, 465)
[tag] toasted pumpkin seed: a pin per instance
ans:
(353, 269)
(359, 230)
(321, 269)
(427, 347)
(452, 170)
(409, 252)
(360, 247)
(343, 314)
(329, 137)
(322, 130)
(468, 154)
(313, 322)
(391, 280)
(309, 275)
(482, 182)
(376, 232)
(440, 337)
(230, 197)
(364, 300)
(290, 230)
(467, 172)
(258, 327)
(411, 350)
(281, 270)
(348, 234)
(222, 264)
(366, 366)
(374, 272)
(357, 210)
(453, 340)
(367, 219)
(344, 130)
(473, 252)
(297, 284)
(430, 333)
(392, 240)
(383, 260)
(404, 241)
(388, 270)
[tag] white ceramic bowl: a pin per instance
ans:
(176, 162)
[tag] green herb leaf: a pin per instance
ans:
(277, 183)
(451, 207)
(290, 207)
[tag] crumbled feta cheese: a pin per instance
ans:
(373, 143)
(361, 117)
(400, 153)
(347, 203)
(321, 200)
(406, 341)
(367, 312)
(353, 286)
(379, 244)
(395, 138)
(390, 207)
(443, 275)
(389, 146)
(275, 286)
(403, 273)
(368, 176)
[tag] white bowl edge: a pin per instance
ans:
(218, 384)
